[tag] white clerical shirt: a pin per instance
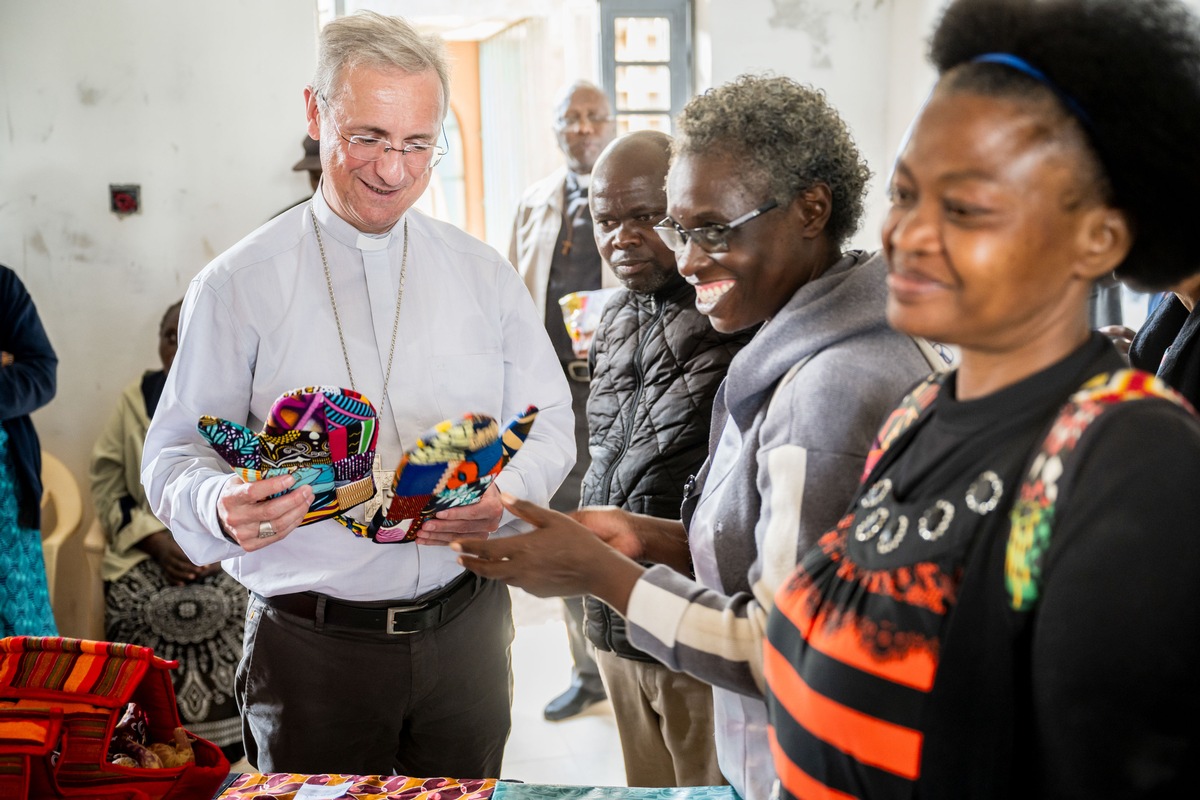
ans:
(257, 322)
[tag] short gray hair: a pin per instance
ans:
(563, 98)
(787, 136)
(368, 39)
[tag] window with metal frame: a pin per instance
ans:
(646, 60)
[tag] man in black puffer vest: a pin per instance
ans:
(655, 363)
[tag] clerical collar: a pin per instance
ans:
(337, 228)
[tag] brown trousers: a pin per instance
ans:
(431, 704)
(665, 721)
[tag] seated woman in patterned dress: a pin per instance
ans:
(155, 596)
(1010, 607)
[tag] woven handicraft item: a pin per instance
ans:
(67, 705)
(324, 436)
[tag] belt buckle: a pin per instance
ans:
(394, 611)
(578, 371)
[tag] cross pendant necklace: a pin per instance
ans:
(383, 478)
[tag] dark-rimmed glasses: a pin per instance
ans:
(712, 238)
(372, 148)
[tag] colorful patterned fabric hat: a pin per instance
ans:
(322, 435)
(452, 465)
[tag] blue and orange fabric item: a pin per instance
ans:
(324, 436)
(451, 465)
(59, 703)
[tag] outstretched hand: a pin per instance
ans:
(559, 558)
(614, 526)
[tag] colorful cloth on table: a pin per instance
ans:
(322, 435)
(542, 791)
(24, 596)
(251, 786)
(200, 626)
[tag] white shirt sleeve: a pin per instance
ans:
(183, 475)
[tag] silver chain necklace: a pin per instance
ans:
(383, 478)
(387, 378)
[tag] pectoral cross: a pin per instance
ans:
(383, 489)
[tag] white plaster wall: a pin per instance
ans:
(201, 104)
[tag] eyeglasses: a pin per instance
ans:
(372, 148)
(712, 238)
(575, 121)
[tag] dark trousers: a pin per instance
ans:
(432, 703)
(585, 670)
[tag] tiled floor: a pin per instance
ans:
(581, 750)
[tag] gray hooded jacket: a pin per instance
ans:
(792, 426)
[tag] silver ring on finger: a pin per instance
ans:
(265, 529)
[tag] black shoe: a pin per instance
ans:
(573, 701)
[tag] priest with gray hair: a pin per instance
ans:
(360, 657)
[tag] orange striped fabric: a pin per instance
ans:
(867, 739)
(104, 671)
(914, 668)
(796, 781)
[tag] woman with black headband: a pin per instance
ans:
(1011, 606)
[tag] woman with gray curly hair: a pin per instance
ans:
(765, 185)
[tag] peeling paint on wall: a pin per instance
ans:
(37, 243)
(797, 14)
(811, 17)
(89, 95)
(77, 239)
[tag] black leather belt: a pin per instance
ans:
(385, 616)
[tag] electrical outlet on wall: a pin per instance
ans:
(125, 198)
